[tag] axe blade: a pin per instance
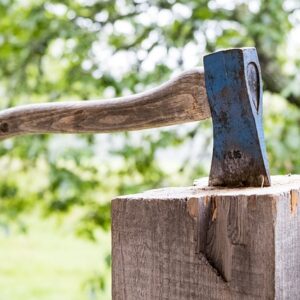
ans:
(234, 90)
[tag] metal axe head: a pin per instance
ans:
(234, 90)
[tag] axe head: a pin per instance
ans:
(234, 90)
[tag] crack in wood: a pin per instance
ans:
(294, 201)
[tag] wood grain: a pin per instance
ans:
(166, 245)
(180, 100)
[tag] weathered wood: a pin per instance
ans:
(180, 100)
(207, 243)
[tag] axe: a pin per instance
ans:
(230, 91)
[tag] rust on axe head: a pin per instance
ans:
(234, 90)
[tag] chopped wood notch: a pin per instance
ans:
(226, 228)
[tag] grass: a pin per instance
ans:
(48, 263)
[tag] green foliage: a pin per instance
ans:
(66, 50)
(282, 128)
(50, 264)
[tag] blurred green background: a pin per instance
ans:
(55, 190)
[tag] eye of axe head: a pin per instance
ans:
(234, 90)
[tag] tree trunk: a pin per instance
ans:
(208, 243)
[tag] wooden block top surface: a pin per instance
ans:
(280, 184)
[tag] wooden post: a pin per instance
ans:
(207, 243)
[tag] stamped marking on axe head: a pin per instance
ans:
(234, 90)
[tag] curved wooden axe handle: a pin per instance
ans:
(180, 100)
